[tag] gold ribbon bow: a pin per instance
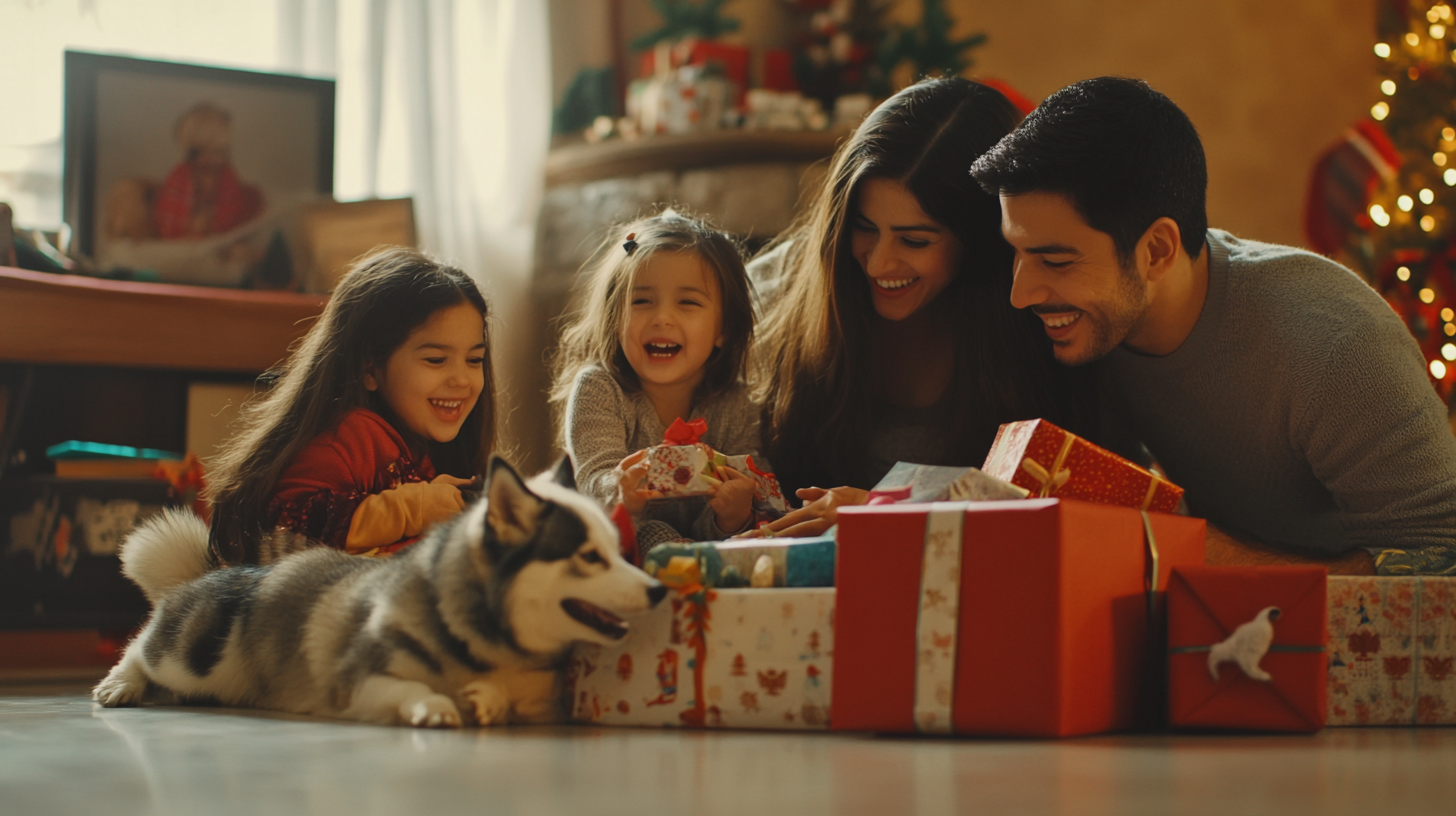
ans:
(1054, 477)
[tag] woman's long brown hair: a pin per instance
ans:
(385, 296)
(813, 356)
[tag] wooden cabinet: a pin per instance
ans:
(77, 320)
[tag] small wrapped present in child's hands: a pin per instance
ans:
(682, 466)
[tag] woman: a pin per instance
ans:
(890, 334)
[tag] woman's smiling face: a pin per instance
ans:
(908, 257)
(433, 380)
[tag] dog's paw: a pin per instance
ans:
(487, 700)
(434, 711)
(120, 688)
(543, 710)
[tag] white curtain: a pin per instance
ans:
(448, 101)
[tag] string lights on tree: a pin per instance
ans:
(1406, 237)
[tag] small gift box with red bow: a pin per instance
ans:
(1247, 648)
(1051, 462)
(1392, 657)
(684, 466)
(1036, 617)
(713, 658)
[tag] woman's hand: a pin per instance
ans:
(732, 500)
(819, 513)
(630, 473)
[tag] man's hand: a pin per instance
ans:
(819, 513)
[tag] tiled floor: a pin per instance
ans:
(58, 755)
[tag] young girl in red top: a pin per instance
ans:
(383, 411)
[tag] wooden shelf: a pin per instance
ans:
(79, 320)
(583, 162)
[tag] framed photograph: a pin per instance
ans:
(192, 172)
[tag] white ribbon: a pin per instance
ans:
(936, 630)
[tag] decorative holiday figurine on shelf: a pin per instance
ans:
(836, 48)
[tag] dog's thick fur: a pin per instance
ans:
(471, 624)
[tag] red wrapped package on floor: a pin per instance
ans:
(1247, 648)
(1022, 618)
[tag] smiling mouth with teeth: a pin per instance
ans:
(447, 405)
(662, 351)
(1060, 321)
(891, 284)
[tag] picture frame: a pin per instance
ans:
(193, 172)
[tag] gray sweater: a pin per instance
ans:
(1298, 411)
(604, 424)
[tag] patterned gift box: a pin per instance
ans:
(1020, 618)
(732, 658)
(1392, 651)
(1049, 461)
(683, 466)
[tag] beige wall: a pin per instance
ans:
(1268, 83)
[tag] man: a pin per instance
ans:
(1273, 384)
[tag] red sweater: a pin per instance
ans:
(325, 483)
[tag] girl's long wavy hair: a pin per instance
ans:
(385, 296)
(593, 334)
(813, 357)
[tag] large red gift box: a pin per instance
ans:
(1207, 606)
(1037, 455)
(1050, 630)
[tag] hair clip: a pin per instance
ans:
(629, 244)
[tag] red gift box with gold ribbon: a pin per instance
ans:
(1019, 618)
(1050, 462)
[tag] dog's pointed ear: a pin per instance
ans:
(565, 473)
(512, 511)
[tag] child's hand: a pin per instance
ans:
(732, 502)
(630, 473)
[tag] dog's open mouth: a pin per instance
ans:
(595, 617)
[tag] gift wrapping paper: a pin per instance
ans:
(677, 471)
(1392, 651)
(1052, 630)
(1208, 606)
(1050, 462)
(797, 562)
(728, 658)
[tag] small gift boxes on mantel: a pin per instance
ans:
(1050, 462)
(1016, 618)
(1247, 648)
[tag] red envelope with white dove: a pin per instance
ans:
(1223, 615)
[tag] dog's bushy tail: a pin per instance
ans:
(166, 550)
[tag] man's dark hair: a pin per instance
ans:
(1122, 152)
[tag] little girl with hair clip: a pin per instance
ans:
(663, 334)
(383, 411)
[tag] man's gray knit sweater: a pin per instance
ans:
(604, 424)
(1298, 411)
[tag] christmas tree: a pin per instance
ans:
(1406, 237)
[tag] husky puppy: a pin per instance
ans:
(471, 624)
